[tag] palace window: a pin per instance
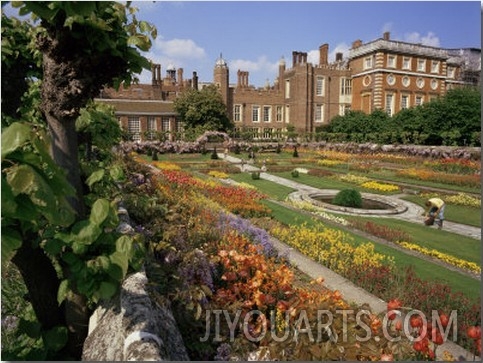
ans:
(344, 109)
(451, 72)
(345, 86)
(319, 86)
(319, 113)
(368, 62)
(267, 113)
(287, 114)
(134, 127)
(279, 116)
(256, 113)
(391, 61)
(152, 128)
(389, 104)
(165, 126)
(418, 100)
(421, 65)
(435, 66)
(404, 102)
(407, 63)
(287, 88)
(237, 113)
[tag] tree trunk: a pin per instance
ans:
(42, 283)
(62, 98)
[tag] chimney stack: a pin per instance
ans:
(324, 54)
(356, 44)
(338, 57)
(386, 35)
(195, 81)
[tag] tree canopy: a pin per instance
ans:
(203, 109)
(453, 119)
(61, 239)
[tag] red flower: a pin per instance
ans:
(415, 321)
(474, 332)
(444, 320)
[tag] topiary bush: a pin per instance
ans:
(348, 198)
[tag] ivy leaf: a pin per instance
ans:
(9, 206)
(117, 173)
(124, 245)
(14, 136)
(95, 177)
(11, 241)
(119, 266)
(85, 232)
(100, 211)
(53, 246)
(107, 289)
(55, 338)
(63, 290)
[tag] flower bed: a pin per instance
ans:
(225, 268)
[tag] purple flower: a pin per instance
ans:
(245, 228)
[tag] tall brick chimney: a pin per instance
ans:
(356, 44)
(195, 81)
(324, 54)
(386, 35)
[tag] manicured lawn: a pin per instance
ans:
(455, 213)
(462, 247)
(424, 269)
(273, 190)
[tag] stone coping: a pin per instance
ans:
(396, 206)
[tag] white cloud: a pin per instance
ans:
(429, 39)
(339, 48)
(260, 70)
(313, 56)
(179, 48)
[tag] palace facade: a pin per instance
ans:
(381, 74)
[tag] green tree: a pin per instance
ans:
(82, 47)
(203, 110)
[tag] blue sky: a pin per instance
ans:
(254, 35)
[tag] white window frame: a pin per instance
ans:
(391, 61)
(279, 115)
(404, 101)
(406, 63)
(255, 113)
(320, 86)
(319, 113)
(418, 100)
(267, 113)
(421, 65)
(389, 103)
(287, 114)
(435, 66)
(165, 124)
(287, 88)
(237, 113)
(345, 86)
(451, 72)
(134, 127)
(368, 62)
(152, 127)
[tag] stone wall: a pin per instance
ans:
(132, 326)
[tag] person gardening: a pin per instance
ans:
(435, 211)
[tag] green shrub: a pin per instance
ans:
(348, 198)
(295, 173)
(255, 175)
